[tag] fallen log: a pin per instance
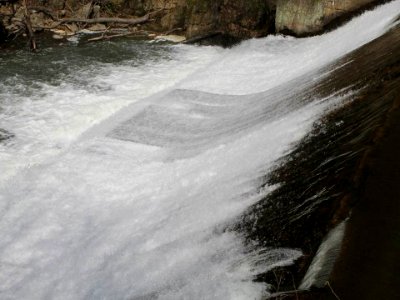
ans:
(133, 21)
(108, 37)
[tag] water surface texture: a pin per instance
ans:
(126, 161)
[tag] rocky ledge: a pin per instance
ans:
(196, 20)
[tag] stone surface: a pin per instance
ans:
(97, 27)
(232, 19)
(303, 17)
(38, 19)
(171, 38)
(84, 11)
(237, 18)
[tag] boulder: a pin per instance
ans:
(57, 37)
(171, 38)
(84, 11)
(244, 19)
(236, 18)
(38, 19)
(306, 17)
(97, 27)
(202, 18)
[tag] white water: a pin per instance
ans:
(136, 207)
(51, 117)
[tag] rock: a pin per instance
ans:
(38, 20)
(171, 38)
(84, 11)
(73, 39)
(175, 18)
(304, 17)
(71, 29)
(62, 32)
(57, 37)
(86, 31)
(96, 11)
(19, 14)
(97, 27)
(202, 18)
(244, 19)
(236, 18)
(55, 4)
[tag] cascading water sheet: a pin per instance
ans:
(138, 207)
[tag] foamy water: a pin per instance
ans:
(48, 114)
(135, 205)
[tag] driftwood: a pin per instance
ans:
(104, 36)
(133, 21)
(28, 24)
(109, 37)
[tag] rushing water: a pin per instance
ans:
(125, 161)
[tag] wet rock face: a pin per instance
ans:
(238, 18)
(172, 13)
(304, 17)
(247, 18)
(202, 17)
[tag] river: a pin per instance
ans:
(123, 163)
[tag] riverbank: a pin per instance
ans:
(210, 22)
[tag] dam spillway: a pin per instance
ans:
(123, 178)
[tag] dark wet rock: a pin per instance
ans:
(324, 177)
(237, 18)
(214, 38)
(3, 33)
(251, 18)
